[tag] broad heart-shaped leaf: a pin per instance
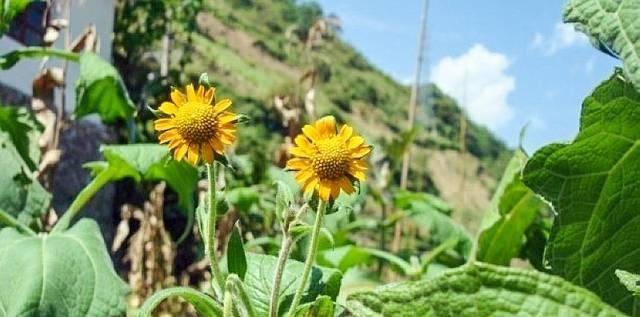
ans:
(592, 186)
(613, 27)
(65, 274)
(100, 90)
(513, 208)
(21, 195)
(259, 280)
(481, 290)
(150, 162)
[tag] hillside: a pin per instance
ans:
(255, 50)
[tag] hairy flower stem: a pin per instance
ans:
(241, 293)
(277, 279)
(227, 308)
(311, 256)
(211, 228)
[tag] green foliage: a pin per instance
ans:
(590, 184)
(236, 258)
(65, 274)
(350, 256)
(481, 290)
(100, 90)
(259, 278)
(203, 303)
(322, 307)
(514, 208)
(430, 213)
(613, 28)
(21, 195)
(148, 162)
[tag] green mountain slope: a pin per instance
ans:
(255, 50)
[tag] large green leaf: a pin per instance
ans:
(481, 290)
(592, 185)
(150, 162)
(514, 207)
(100, 90)
(259, 279)
(65, 274)
(613, 27)
(21, 195)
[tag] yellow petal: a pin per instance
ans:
(324, 191)
(163, 124)
(207, 153)
(200, 93)
(335, 188)
(355, 142)
(222, 105)
(311, 132)
(208, 96)
(303, 175)
(227, 117)
(360, 175)
(360, 152)
(217, 146)
(326, 126)
(168, 136)
(298, 163)
(226, 137)
(311, 185)
(345, 132)
(346, 185)
(193, 154)
(178, 98)
(302, 141)
(298, 151)
(191, 93)
(175, 143)
(168, 107)
(181, 152)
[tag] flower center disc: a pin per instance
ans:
(196, 122)
(332, 161)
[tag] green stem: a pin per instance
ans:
(83, 198)
(241, 293)
(277, 279)
(211, 227)
(8, 220)
(311, 256)
(227, 308)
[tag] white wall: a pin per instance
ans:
(83, 12)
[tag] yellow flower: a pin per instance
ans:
(327, 160)
(194, 128)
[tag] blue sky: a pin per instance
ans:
(512, 62)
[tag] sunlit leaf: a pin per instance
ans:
(613, 27)
(591, 183)
(481, 290)
(100, 90)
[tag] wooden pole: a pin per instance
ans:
(413, 102)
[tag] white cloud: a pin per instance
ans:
(563, 36)
(478, 80)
